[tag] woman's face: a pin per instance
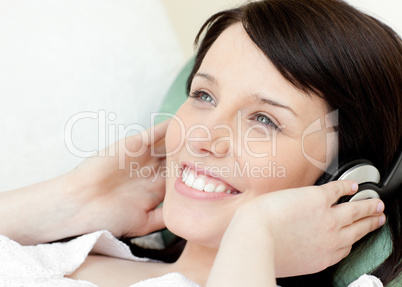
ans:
(244, 131)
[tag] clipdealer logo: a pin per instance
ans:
(270, 170)
(109, 132)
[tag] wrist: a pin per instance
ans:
(77, 197)
(248, 248)
(60, 212)
(253, 217)
(38, 213)
(57, 210)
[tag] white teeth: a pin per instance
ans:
(184, 174)
(191, 179)
(220, 188)
(210, 187)
(199, 184)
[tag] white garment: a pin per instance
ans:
(45, 265)
(366, 281)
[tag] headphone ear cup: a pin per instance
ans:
(366, 191)
(361, 171)
(335, 170)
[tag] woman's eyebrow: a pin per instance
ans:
(208, 77)
(264, 100)
(255, 96)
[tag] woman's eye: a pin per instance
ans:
(206, 97)
(265, 120)
(202, 96)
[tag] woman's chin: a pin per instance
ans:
(194, 231)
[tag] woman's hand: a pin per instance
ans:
(293, 232)
(310, 232)
(118, 190)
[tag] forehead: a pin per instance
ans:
(240, 68)
(235, 58)
(234, 48)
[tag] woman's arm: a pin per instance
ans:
(39, 213)
(246, 256)
(292, 232)
(104, 192)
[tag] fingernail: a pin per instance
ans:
(355, 186)
(380, 207)
(381, 221)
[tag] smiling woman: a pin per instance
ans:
(234, 71)
(264, 74)
(340, 79)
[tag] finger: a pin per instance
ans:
(358, 229)
(160, 148)
(340, 188)
(141, 141)
(354, 211)
(158, 132)
(159, 189)
(154, 137)
(155, 220)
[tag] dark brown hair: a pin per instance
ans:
(353, 61)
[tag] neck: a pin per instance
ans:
(195, 262)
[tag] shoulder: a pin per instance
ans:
(102, 270)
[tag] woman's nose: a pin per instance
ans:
(209, 139)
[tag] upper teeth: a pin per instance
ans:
(191, 179)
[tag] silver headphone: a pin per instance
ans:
(369, 179)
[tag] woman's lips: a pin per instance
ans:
(200, 184)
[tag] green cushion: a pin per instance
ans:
(177, 93)
(353, 266)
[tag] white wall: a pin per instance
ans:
(188, 15)
(389, 11)
(93, 64)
